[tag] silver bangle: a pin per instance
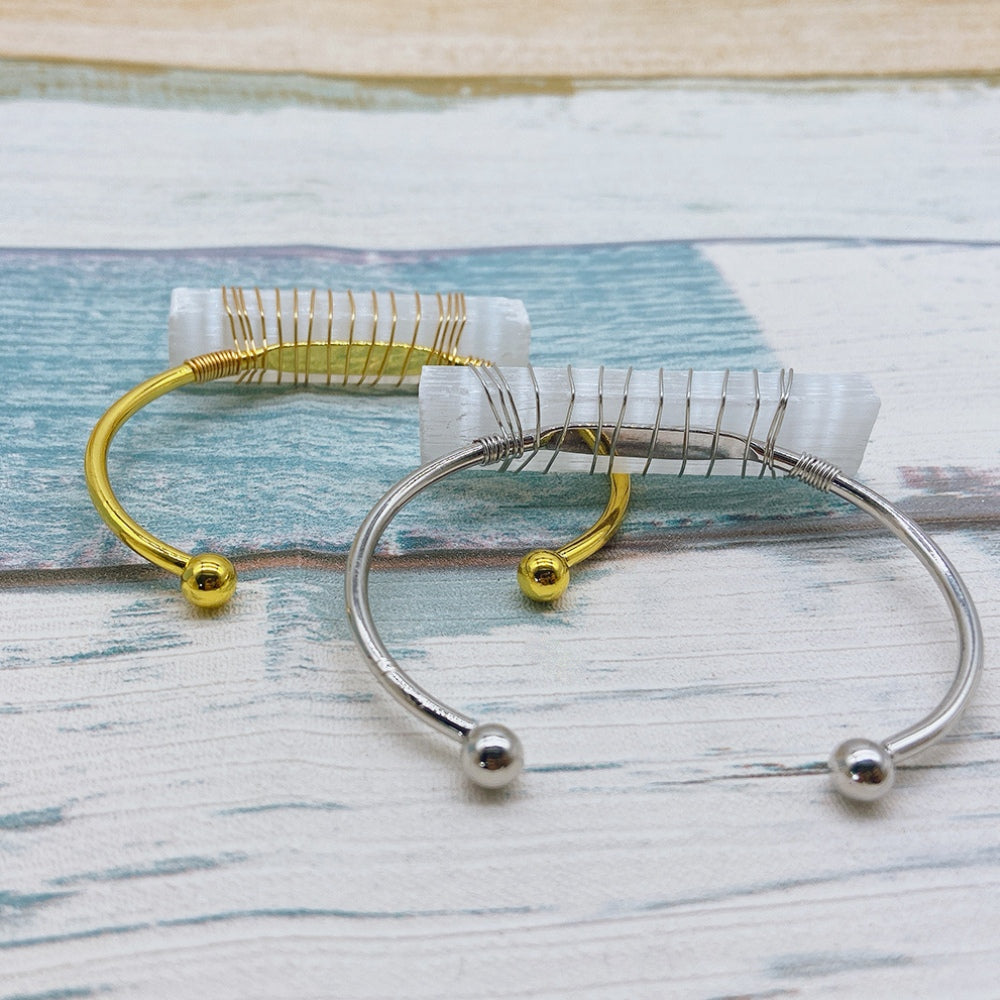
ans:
(492, 755)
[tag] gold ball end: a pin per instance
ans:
(543, 575)
(208, 580)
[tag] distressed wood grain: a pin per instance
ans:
(931, 355)
(228, 806)
(115, 165)
(682, 304)
(569, 38)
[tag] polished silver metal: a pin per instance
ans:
(862, 770)
(492, 756)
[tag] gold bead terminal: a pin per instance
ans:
(208, 580)
(543, 575)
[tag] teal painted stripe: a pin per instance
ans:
(31, 819)
(229, 91)
(67, 993)
(156, 869)
(268, 807)
(247, 470)
(164, 87)
(958, 862)
(263, 913)
(17, 904)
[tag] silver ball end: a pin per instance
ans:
(862, 770)
(492, 756)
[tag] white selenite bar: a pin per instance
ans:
(203, 320)
(830, 416)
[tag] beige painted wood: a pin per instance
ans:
(571, 38)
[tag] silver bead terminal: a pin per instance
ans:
(862, 770)
(492, 755)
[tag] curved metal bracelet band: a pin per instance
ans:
(208, 579)
(492, 756)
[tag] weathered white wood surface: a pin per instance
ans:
(228, 806)
(207, 161)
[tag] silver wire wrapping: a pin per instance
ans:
(862, 769)
(684, 445)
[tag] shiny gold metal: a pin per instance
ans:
(208, 580)
(95, 464)
(350, 338)
(416, 327)
(543, 575)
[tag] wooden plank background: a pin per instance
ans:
(227, 805)
(430, 40)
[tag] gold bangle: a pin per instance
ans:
(208, 579)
